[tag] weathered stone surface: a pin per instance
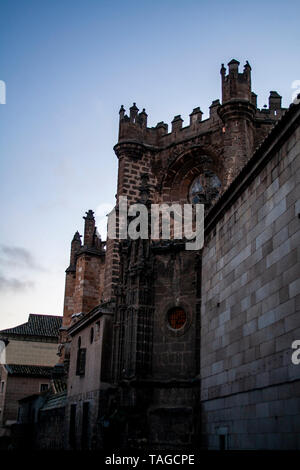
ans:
(272, 323)
(223, 371)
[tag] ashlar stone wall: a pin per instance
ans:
(250, 391)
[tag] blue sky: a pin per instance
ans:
(68, 65)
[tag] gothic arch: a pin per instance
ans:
(184, 169)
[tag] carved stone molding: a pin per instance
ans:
(132, 150)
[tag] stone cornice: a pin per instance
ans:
(90, 317)
(130, 148)
(236, 109)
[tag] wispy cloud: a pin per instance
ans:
(16, 256)
(13, 284)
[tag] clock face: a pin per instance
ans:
(205, 188)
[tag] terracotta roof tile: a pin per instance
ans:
(37, 325)
(28, 371)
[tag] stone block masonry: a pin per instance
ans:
(250, 390)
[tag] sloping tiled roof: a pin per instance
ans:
(37, 325)
(55, 401)
(28, 371)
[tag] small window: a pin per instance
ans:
(223, 438)
(2, 386)
(97, 331)
(92, 335)
(44, 387)
(80, 366)
(79, 342)
(222, 442)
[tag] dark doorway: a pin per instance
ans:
(72, 430)
(222, 442)
(85, 426)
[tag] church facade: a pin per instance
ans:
(169, 348)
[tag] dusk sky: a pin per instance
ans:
(68, 65)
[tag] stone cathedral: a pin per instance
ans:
(174, 349)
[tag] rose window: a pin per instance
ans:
(176, 318)
(205, 189)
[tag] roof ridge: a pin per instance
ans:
(44, 315)
(28, 369)
(37, 325)
(27, 365)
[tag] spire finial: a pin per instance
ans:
(247, 66)
(77, 237)
(89, 215)
(133, 112)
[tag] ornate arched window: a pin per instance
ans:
(205, 188)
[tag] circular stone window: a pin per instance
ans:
(177, 318)
(205, 188)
